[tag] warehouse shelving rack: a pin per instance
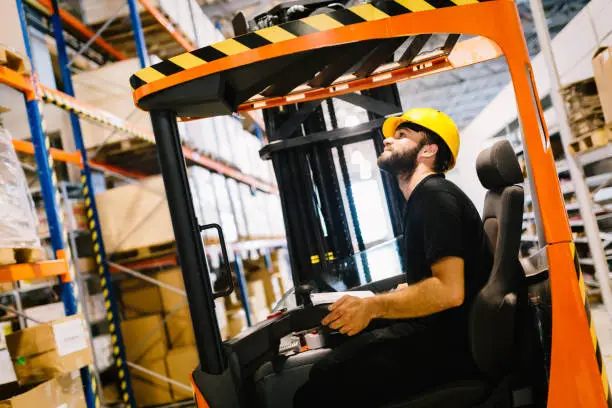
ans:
(62, 22)
(40, 149)
(594, 182)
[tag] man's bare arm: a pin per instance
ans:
(350, 315)
(444, 290)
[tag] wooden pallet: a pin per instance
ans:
(595, 139)
(134, 154)
(14, 60)
(146, 252)
(10, 256)
(151, 251)
(587, 124)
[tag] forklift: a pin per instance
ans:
(536, 345)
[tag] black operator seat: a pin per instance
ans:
(493, 319)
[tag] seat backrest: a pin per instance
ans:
(494, 311)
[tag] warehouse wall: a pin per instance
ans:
(573, 48)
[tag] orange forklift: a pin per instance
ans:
(536, 344)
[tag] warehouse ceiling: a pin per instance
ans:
(461, 93)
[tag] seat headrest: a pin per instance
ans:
(498, 167)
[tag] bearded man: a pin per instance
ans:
(417, 335)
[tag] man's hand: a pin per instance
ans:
(349, 315)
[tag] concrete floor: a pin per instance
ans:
(603, 327)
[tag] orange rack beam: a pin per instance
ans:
(17, 81)
(26, 271)
(57, 154)
(227, 170)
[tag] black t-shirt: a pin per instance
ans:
(441, 221)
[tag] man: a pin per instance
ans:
(424, 340)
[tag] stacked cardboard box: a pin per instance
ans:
(49, 350)
(135, 216)
(584, 107)
(65, 391)
(158, 334)
(602, 70)
(146, 345)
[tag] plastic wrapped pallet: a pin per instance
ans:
(226, 213)
(241, 151)
(275, 215)
(257, 163)
(234, 193)
(18, 224)
(207, 138)
(203, 192)
(263, 223)
(256, 212)
(205, 29)
(222, 130)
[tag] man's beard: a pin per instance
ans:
(396, 164)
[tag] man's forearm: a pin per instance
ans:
(421, 299)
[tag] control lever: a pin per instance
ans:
(303, 292)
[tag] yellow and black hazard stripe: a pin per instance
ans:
(315, 259)
(95, 115)
(377, 10)
(587, 309)
(105, 282)
(66, 252)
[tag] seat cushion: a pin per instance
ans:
(460, 394)
(276, 384)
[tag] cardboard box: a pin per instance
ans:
(140, 298)
(180, 330)
(6, 328)
(236, 321)
(181, 362)
(49, 350)
(62, 392)
(149, 390)
(257, 300)
(602, 70)
(6, 287)
(144, 338)
(86, 264)
(135, 215)
(45, 313)
(171, 300)
(272, 285)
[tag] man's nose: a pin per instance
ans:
(388, 141)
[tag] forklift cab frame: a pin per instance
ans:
(207, 82)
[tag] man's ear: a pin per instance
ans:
(429, 150)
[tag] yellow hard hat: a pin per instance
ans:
(431, 119)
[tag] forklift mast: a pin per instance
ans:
(321, 217)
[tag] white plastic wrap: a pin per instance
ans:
(18, 224)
